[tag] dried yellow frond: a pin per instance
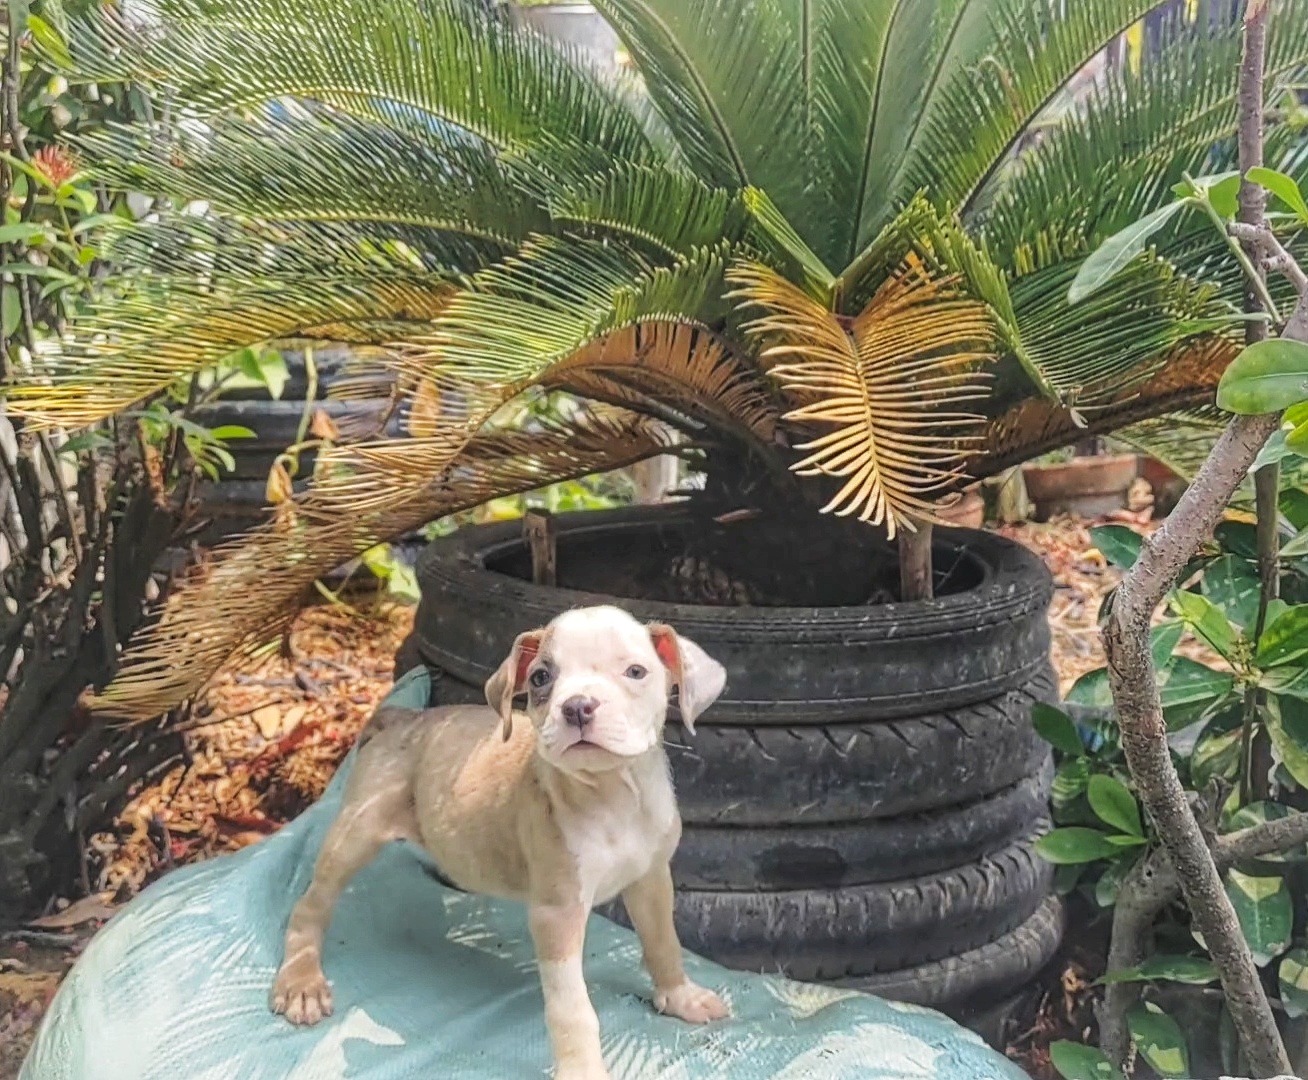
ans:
(889, 379)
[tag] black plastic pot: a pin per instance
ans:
(860, 805)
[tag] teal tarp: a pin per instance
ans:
(431, 983)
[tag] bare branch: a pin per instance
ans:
(1130, 663)
(1264, 839)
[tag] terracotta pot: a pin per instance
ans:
(1087, 486)
(968, 513)
(1166, 484)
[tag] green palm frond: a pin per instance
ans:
(671, 210)
(1004, 73)
(556, 295)
(417, 65)
(1092, 351)
(189, 291)
(310, 164)
(1111, 163)
(725, 84)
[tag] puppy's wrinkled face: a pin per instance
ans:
(597, 690)
(597, 684)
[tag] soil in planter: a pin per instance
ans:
(822, 563)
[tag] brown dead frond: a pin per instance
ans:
(249, 592)
(684, 367)
(889, 379)
(1186, 379)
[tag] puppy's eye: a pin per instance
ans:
(636, 672)
(540, 677)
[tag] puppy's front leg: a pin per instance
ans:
(649, 904)
(559, 932)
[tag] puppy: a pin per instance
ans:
(562, 813)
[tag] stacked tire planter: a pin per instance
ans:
(860, 805)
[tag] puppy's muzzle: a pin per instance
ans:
(579, 711)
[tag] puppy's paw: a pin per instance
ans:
(593, 1070)
(691, 1003)
(301, 993)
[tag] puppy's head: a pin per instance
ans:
(597, 684)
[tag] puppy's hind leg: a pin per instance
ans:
(376, 809)
(649, 904)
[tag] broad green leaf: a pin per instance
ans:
(1297, 439)
(1283, 187)
(1258, 813)
(1077, 1062)
(1293, 548)
(1286, 720)
(1286, 680)
(1206, 620)
(231, 431)
(1215, 754)
(1067, 877)
(1070, 782)
(1273, 452)
(1276, 607)
(1056, 728)
(1075, 845)
(1163, 640)
(1222, 191)
(1119, 545)
(1159, 1040)
(1194, 970)
(1110, 881)
(1285, 639)
(1111, 800)
(1294, 505)
(1265, 911)
(1106, 261)
(1126, 840)
(20, 232)
(86, 440)
(1232, 586)
(11, 309)
(1190, 691)
(1266, 377)
(1092, 690)
(1293, 978)
(273, 372)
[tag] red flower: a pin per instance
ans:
(56, 164)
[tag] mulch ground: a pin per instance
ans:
(268, 738)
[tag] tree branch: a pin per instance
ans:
(1130, 663)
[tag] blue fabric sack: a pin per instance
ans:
(431, 983)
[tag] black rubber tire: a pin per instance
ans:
(992, 970)
(819, 935)
(785, 665)
(833, 774)
(728, 858)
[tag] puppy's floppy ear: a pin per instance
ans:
(699, 678)
(511, 678)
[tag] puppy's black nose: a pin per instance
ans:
(579, 711)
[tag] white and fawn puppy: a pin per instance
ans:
(562, 813)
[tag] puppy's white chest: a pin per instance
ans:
(620, 844)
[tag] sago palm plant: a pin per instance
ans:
(798, 232)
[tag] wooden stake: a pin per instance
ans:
(915, 563)
(538, 531)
